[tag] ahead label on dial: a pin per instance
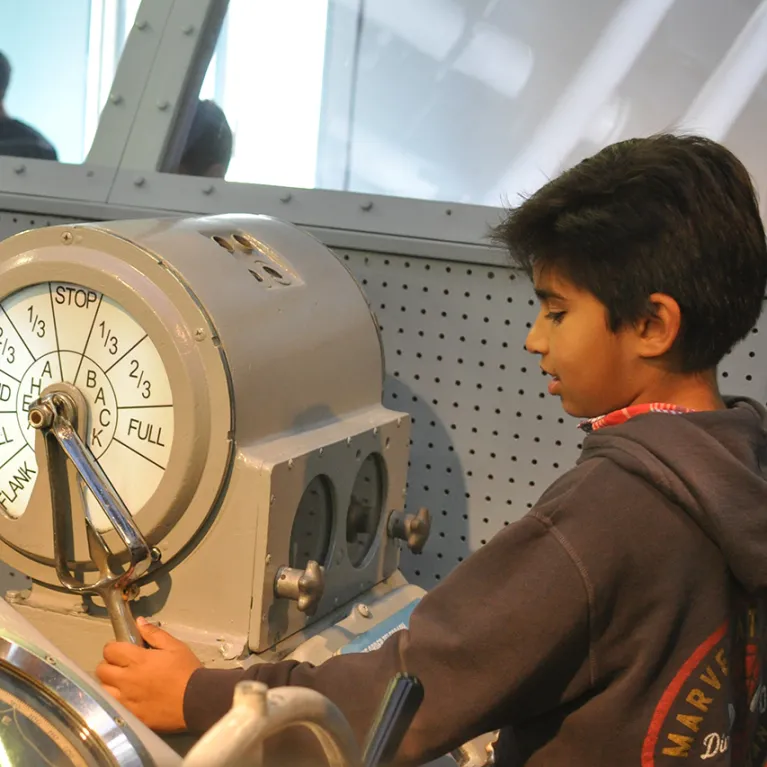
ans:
(54, 332)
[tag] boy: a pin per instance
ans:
(618, 623)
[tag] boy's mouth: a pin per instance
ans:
(554, 385)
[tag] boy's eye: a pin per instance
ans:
(555, 317)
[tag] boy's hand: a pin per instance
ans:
(150, 683)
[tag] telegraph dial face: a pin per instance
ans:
(53, 332)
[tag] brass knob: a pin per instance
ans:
(414, 529)
(302, 586)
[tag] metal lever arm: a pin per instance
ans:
(48, 413)
(54, 415)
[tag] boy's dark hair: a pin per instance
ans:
(666, 214)
(5, 75)
(209, 142)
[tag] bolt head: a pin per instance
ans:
(199, 334)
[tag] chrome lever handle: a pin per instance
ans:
(49, 414)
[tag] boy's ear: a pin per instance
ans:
(657, 332)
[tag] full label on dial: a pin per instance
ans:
(54, 332)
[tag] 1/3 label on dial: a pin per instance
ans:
(113, 336)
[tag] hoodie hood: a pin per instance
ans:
(712, 464)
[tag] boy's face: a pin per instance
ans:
(594, 370)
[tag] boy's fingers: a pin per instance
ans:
(110, 675)
(155, 637)
(122, 653)
(113, 691)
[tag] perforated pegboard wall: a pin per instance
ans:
(487, 438)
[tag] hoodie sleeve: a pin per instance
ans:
(504, 637)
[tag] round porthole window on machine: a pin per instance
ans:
(310, 536)
(365, 508)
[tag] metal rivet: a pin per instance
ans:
(287, 197)
(290, 463)
(119, 721)
(163, 105)
(50, 659)
(208, 190)
(67, 238)
(321, 451)
(142, 25)
(348, 441)
(366, 206)
(116, 98)
(19, 169)
(140, 181)
(188, 29)
(272, 500)
(199, 334)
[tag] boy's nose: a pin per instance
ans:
(536, 339)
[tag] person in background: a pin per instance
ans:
(208, 149)
(17, 139)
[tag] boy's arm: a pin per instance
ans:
(504, 637)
